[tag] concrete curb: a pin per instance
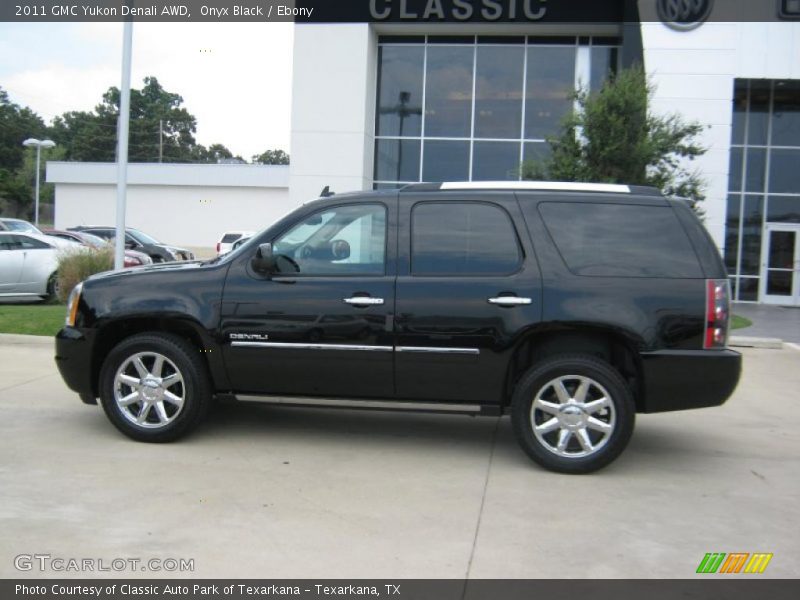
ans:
(14, 339)
(755, 342)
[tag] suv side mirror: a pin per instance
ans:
(264, 260)
(131, 245)
(340, 249)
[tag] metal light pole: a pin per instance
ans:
(122, 144)
(39, 144)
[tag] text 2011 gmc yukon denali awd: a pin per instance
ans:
(570, 306)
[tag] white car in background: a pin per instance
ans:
(225, 244)
(20, 225)
(28, 264)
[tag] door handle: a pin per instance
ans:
(363, 301)
(510, 301)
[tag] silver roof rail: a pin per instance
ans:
(563, 186)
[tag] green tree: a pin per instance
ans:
(16, 125)
(613, 137)
(158, 123)
(86, 136)
(213, 154)
(271, 157)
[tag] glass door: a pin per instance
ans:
(781, 265)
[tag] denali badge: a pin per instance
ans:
(259, 337)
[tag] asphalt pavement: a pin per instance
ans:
(277, 492)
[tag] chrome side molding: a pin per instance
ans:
(354, 347)
(435, 350)
(409, 405)
(311, 346)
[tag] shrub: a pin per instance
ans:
(76, 265)
(613, 137)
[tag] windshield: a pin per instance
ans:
(142, 238)
(93, 240)
(14, 225)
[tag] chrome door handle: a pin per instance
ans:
(363, 301)
(510, 301)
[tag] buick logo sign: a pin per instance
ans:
(684, 15)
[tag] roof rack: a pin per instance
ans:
(562, 186)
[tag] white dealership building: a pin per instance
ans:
(430, 90)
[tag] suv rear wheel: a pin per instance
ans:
(154, 387)
(573, 413)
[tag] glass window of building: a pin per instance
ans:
(474, 108)
(764, 188)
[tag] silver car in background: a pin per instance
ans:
(28, 264)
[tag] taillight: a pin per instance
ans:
(718, 307)
(218, 244)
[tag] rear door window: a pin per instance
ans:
(620, 240)
(463, 238)
(229, 238)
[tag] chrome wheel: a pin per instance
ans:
(573, 416)
(149, 390)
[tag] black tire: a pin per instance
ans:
(618, 415)
(52, 289)
(193, 387)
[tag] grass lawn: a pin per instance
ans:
(740, 322)
(32, 319)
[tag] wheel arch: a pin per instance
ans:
(112, 333)
(609, 345)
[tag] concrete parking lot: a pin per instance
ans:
(273, 492)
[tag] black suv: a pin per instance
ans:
(140, 241)
(570, 306)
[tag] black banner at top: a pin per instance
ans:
(684, 13)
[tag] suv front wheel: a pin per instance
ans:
(154, 387)
(573, 413)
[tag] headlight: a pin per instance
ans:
(72, 305)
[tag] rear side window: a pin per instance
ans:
(620, 240)
(229, 238)
(469, 238)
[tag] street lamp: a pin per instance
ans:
(39, 145)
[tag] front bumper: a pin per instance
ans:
(74, 362)
(684, 379)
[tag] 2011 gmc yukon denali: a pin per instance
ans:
(569, 306)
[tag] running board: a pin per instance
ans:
(408, 405)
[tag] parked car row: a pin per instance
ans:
(29, 256)
(133, 258)
(140, 241)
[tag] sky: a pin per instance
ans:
(235, 78)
